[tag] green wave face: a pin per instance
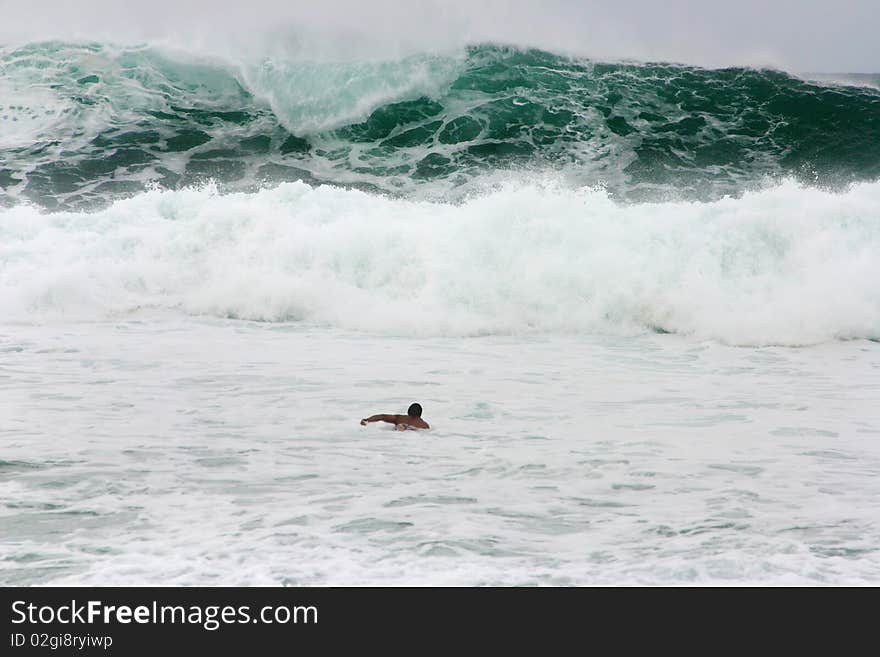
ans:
(81, 125)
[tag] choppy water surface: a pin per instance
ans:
(170, 450)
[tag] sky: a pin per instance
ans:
(800, 36)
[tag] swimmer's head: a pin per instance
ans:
(415, 410)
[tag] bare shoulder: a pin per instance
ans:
(409, 422)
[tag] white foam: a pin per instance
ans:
(29, 112)
(186, 451)
(789, 265)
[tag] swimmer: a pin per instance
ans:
(412, 419)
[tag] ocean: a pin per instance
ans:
(638, 302)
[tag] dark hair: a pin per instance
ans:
(415, 410)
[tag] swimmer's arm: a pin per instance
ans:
(392, 419)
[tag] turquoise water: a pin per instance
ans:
(82, 125)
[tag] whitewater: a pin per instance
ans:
(786, 266)
(637, 301)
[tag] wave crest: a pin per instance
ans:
(95, 122)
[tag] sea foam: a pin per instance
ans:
(787, 265)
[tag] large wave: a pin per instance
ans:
(83, 124)
(788, 265)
